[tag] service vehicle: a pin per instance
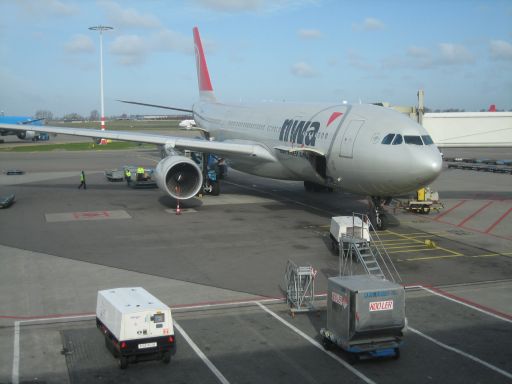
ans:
(136, 325)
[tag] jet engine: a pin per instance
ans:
(26, 135)
(179, 176)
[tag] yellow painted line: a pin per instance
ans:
(460, 255)
(421, 242)
(407, 246)
(434, 257)
(494, 254)
(418, 250)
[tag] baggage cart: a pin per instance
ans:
(365, 316)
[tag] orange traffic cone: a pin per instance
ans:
(178, 210)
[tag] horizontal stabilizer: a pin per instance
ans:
(156, 106)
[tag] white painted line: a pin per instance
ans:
(200, 353)
(318, 345)
(15, 378)
(467, 305)
(476, 359)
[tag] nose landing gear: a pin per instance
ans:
(377, 214)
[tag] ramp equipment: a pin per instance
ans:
(355, 239)
(300, 287)
(365, 317)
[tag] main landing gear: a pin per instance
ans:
(377, 213)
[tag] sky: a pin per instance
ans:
(459, 52)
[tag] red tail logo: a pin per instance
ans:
(203, 77)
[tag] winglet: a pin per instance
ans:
(203, 77)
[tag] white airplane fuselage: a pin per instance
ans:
(334, 145)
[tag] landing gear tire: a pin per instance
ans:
(377, 213)
(382, 222)
(215, 188)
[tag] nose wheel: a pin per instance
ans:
(377, 213)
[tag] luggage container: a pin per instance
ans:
(137, 326)
(365, 316)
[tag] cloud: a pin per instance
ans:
(167, 40)
(302, 69)
(454, 54)
(500, 50)
(418, 52)
(79, 44)
(309, 33)
(232, 5)
(369, 24)
(129, 17)
(48, 7)
(241, 6)
(359, 62)
(129, 49)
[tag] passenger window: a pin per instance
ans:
(427, 140)
(398, 140)
(416, 140)
(388, 139)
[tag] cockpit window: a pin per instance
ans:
(427, 140)
(388, 138)
(398, 140)
(416, 140)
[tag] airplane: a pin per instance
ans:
(359, 148)
(22, 120)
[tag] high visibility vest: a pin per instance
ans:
(140, 170)
(82, 177)
(128, 173)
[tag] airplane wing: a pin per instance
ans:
(225, 149)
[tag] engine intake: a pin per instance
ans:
(26, 135)
(179, 176)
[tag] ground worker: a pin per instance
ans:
(82, 180)
(140, 173)
(128, 175)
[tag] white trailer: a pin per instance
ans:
(136, 325)
(348, 227)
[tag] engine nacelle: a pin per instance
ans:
(26, 135)
(179, 176)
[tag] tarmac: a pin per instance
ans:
(220, 265)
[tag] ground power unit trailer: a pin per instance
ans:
(137, 326)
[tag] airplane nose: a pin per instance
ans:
(429, 167)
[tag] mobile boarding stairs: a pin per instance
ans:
(358, 241)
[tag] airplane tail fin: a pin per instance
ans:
(492, 108)
(203, 77)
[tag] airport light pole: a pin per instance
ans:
(101, 29)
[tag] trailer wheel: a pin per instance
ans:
(326, 343)
(123, 362)
(166, 358)
(425, 210)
